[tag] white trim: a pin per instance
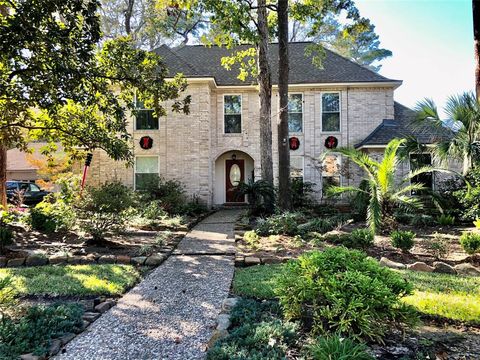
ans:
(331, 112)
(135, 118)
(241, 114)
(135, 167)
(303, 113)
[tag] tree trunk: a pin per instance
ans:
(476, 39)
(3, 176)
(265, 93)
(128, 16)
(284, 200)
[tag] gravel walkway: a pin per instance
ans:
(172, 312)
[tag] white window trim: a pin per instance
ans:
(303, 113)
(135, 168)
(303, 165)
(410, 168)
(339, 112)
(241, 115)
(340, 161)
(135, 118)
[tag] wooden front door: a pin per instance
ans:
(234, 175)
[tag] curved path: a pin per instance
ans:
(171, 314)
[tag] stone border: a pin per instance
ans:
(223, 321)
(438, 267)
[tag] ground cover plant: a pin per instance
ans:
(470, 242)
(72, 280)
(32, 332)
(403, 240)
(338, 348)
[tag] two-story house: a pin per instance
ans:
(217, 144)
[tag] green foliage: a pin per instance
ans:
(256, 333)
(256, 281)
(281, 224)
(251, 238)
(7, 296)
(321, 225)
(344, 292)
(153, 210)
(260, 193)
(6, 237)
(338, 348)
(33, 332)
(439, 246)
(470, 242)
(446, 220)
(72, 280)
(469, 199)
(359, 239)
(51, 216)
(403, 240)
(103, 209)
(384, 195)
(477, 223)
(301, 193)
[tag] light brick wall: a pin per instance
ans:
(189, 145)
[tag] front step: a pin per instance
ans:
(230, 206)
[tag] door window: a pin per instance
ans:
(235, 175)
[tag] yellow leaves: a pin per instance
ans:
(246, 60)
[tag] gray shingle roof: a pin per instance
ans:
(401, 127)
(201, 61)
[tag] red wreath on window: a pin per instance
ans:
(294, 143)
(331, 142)
(146, 142)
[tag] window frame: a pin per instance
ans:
(241, 114)
(135, 127)
(340, 177)
(303, 113)
(331, 112)
(135, 168)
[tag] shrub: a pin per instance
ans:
(251, 238)
(282, 224)
(261, 195)
(477, 223)
(403, 240)
(193, 207)
(446, 220)
(439, 246)
(344, 292)
(153, 211)
(256, 333)
(33, 332)
(170, 193)
(301, 193)
(322, 225)
(470, 200)
(335, 347)
(470, 242)
(103, 209)
(359, 239)
(6, 237)
(52, 215)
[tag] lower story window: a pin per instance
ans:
(146, 171)
(331, 172)
(296, 167)
(418, 161)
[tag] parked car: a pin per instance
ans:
(32, 194)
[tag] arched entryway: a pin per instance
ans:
(231, 168)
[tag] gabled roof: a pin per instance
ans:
(201, 61)
(402, 127)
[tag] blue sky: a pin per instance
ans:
(432, 45)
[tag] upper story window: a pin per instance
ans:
(232, 114)
(145, 119)
(295, 113)
(331, 112)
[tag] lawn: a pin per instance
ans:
(72, 280)
(452, 297)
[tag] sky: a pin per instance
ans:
(432, 45)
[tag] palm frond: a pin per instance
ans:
(333, 190)
(360, 158)
(388, 166)
(408, 189)
(411, 146)
(374, 209)
(427, 114)
(409, 202)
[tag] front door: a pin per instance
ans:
(234, 175)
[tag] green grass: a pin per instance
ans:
(72, 280)
(256, 281)
(449, 296)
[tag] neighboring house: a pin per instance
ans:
(18, 166)
(218, 143)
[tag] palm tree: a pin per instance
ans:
(384, 194)
(260, 194)
(464, 113)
